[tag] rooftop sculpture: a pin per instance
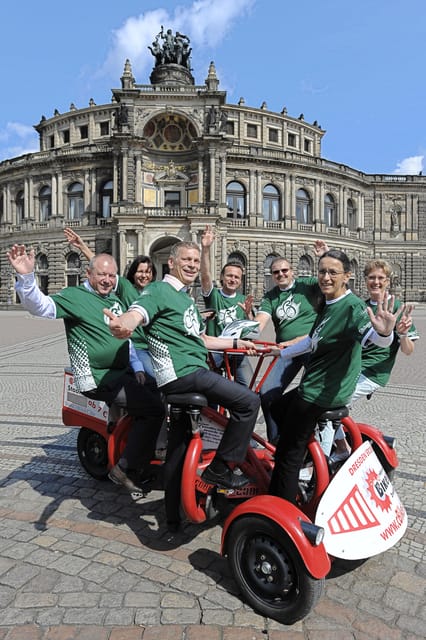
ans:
(173, 49)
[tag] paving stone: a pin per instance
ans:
(79, 560)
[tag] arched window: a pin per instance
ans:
(73, 264)
(271, 203)
(106, 195)
(303, 207)
(19, 207)
(42, 272)
(350, 208)
(267, 275)
(305, 266)
(330, 211)
(75, 201)
(45, 203)
(396, 278)
(236, 200)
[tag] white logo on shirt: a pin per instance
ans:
(116, 310)
(288, 310)
(227, 315)
(191, 321)
(316, 334)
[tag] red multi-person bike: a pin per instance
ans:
(279, 553)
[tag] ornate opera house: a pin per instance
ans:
(162, 160)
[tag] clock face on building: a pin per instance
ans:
(169, 133)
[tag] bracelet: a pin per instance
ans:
(235, 343)
(402, 335)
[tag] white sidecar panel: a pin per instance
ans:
(74, 400)
(360, 511)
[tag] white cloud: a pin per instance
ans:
(17, 139)
(207, 22)
(410, 166)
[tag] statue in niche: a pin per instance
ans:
(121, 116)
(395, 218)
(216, 119)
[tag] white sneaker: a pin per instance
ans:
(305, 473)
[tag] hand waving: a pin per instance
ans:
(384, 320)
(22, 261)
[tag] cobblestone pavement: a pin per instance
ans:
(80, 560)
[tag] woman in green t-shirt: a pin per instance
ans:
(343, 325)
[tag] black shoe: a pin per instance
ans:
(225, 480)
(118, 476)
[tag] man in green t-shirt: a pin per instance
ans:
(228, 303)
(291, 305)
(102, 365)
(179, 350)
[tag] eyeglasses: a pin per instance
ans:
(277, 271)
(331, 272)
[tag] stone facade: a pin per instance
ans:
(163, 160)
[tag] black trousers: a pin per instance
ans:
(243, 407)
(296, 420)
(146, 406)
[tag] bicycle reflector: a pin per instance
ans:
(390, 441)
(314, 533)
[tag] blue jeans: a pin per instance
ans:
(281, 375)
(145, 357)
(239, 364)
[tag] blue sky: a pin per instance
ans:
(358, 68)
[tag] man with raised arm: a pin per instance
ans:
(179, 349)
(104, 367)
(228, 303)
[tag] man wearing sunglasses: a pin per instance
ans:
(291, 305)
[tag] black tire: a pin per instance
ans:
(92, 451)
(269, 571)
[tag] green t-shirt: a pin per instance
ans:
(96, 357)
(227, 310)
(334, 366)
(293, 311)
(128, 293)
(378, 362)
(173, 332)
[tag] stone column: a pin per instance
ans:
(54, 200)
(124, 186)
(139, 247)
(138, 178)
(116, 178)
(60, 191)
(342, 212)
(200, 180)
(222, 194)
(212, 162)
(86, 190)
(26, 200)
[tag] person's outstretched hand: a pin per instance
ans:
(22, 261)
(384, 319)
